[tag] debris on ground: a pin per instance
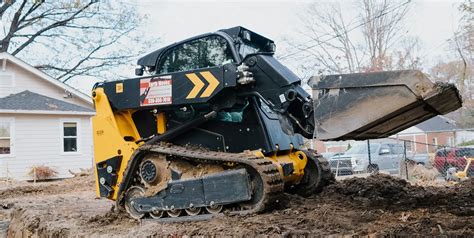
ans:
(82, 172)
(421, 173)
(42, 172)
(379, 205)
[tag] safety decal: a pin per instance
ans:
(156, 91)
(198, 84)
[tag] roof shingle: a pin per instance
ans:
(436, 123)
(27, 100)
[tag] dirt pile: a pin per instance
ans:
(21, 189)
(378, 205)
(387, 192)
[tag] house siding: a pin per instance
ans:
(25, 80)
(421, 146)
(442, 139)
(37, 141)
(331, 146)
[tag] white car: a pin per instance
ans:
(383, 156)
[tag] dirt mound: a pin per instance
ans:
(16, 192)
(23, 224)
(379, 205)
(386, 192)
(112, 216)
(82, 183)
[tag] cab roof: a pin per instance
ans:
(234, 33)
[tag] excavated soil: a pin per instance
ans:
(379, 205)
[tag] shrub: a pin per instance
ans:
(466, 143)
(42, 172)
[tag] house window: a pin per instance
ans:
(435, 142)
(5, 138)
(409, 146)
(450, 141)
(70, 136)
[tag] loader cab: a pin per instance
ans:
(239, 115)
(204, 52)
(225, 46)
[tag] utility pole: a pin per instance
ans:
(368, 152)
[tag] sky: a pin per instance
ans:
(170, 21)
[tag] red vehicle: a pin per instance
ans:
(453, 157)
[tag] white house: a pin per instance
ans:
(43, 122)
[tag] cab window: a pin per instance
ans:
(201, 53)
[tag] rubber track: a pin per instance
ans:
(273, 185)
(327, 177)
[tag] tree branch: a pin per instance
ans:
(90, 55)
(5, 6)
(49, 27)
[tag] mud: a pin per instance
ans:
(379, 205)
(387, 192)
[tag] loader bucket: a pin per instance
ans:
(375, 105)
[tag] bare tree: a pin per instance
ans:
(449, 72)
(70, 38)
(381, 29)
(462, 43)
(372, 40)
(323, 21)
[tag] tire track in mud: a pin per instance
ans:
(4, 228)
(40, 197)
(378, 205)
(22, 189)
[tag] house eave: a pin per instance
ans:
(84, 97)
(41, 112)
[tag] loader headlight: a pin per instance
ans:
(271, 47)
(354, 162)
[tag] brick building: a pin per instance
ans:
(423, 138)
(429, 135)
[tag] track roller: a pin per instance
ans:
(193, 211)
(134, 192)
(174, 213)
(157, 214)
(214, 209)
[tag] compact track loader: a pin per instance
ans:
(219, 124)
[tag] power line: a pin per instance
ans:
(345, 32)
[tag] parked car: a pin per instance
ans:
(446, 158)
(383, 156)
(327, 155)
(422, 159)
(340, 165)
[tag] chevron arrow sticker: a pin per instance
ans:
(213, 83)
(198, 85)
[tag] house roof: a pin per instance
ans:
(29, 102)
(44, 76)
(437, 123)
